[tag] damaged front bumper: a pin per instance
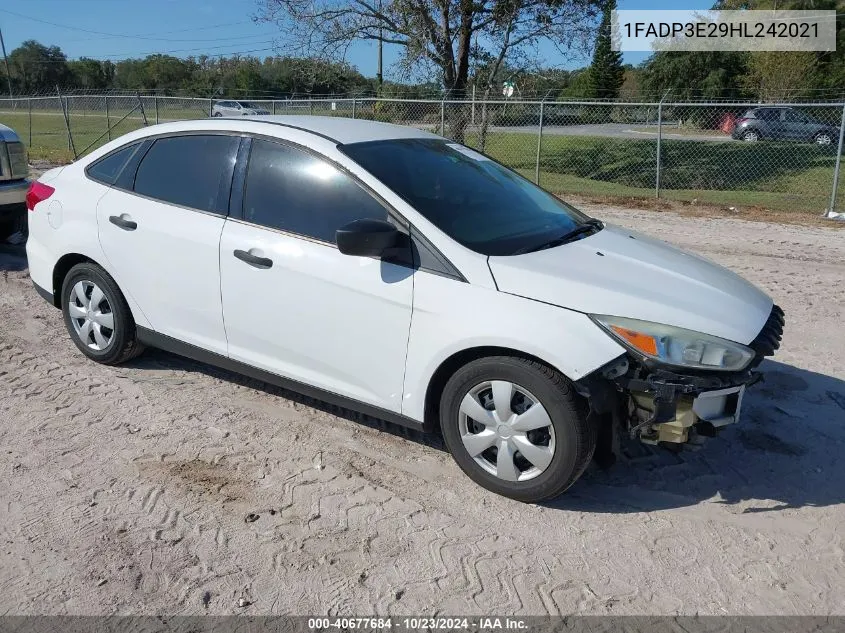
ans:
(675, 408)
(661, 405)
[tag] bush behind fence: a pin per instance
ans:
(681, 151)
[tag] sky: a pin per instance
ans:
(118, 29)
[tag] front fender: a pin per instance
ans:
(450, 316)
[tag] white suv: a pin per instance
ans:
(396, 273)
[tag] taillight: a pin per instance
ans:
(38, 192)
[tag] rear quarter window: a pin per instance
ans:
(107, 169)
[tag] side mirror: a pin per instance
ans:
(366, 238)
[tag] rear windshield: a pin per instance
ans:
(473, 199)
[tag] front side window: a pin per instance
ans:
(794, 116)
(473, 199)
(107, 169)
(191, 171)
(295, 191)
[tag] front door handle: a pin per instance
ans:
(253, 260)
(123, 223)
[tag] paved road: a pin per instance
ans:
(617, 130)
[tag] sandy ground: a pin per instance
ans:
(167, 486)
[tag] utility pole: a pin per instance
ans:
(6, 61)
(379, 75)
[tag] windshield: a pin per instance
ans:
(473, 199)
(247, 104)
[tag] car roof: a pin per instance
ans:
(341, 129)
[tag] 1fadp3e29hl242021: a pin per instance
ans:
(394, 272)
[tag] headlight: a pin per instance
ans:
(676, 346)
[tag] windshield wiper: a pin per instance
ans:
(589, 226)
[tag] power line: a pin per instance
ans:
(137, 55)
(128, 36)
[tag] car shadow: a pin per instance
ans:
(159, 359)
(786, 452)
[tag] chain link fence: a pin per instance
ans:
(780, 156)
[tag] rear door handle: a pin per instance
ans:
(253, 260)
(123, 223)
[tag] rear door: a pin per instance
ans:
(160, 229)
(293, 304)
(797, 125)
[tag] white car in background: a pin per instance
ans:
(236, 108)
(396, 273)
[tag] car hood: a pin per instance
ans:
(623, 273)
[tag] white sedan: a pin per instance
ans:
(396, 273)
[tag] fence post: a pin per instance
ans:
(659, 138)
(442, 118)
(30, 123)
(67, 118)
(143, 112)
(353, 107)
(310, 105)
(838, 162)
(108, 119)
(63, 104)
(274, 106)
(155, 101)
(539, 143)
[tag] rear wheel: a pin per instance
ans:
(751, 136)
(216, 114)
(516, 427)
(97, 316)
(823, 138)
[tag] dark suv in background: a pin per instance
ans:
(783, 123)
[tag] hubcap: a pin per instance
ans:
(506, 430)
(823, 139)
(91, 315)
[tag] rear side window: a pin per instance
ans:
(107, 169)
(294, 191)
(768, 114)
(191, 171)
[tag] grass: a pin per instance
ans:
(783, 176)
(774, 175)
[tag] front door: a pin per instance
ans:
(292, 303)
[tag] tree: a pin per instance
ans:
(91, 73)
(444, 34)
(38, 68)
(776, 75)
(686, 75)
(606, 73)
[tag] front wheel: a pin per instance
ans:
(97, 316)
(751, 136)
(516, 427)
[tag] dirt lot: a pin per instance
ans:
(166, 486)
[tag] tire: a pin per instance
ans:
(217, 114)
(561, 448)
(823, 138)
(751, 136)
(77, 291)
